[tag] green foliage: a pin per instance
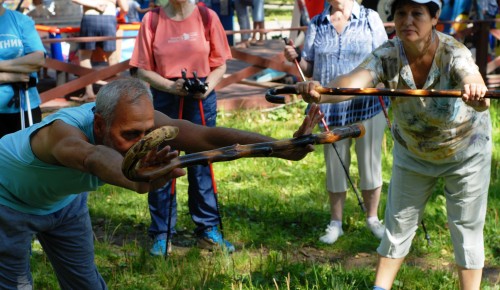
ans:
(273, 211)
(280, 2)
(281, 9)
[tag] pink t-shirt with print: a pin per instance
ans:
(180, 44)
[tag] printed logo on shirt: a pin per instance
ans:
(192, 36)
(11, 46)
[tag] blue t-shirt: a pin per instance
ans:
(133, 14)
(18, 37)
(34, 187)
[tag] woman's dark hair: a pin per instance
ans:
(431, 6)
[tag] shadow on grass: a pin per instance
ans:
(281, 232)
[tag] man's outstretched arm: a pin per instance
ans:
(195, 138)
(65, 145)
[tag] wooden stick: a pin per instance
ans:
(272, 95)
(401, 92)
(265, 149)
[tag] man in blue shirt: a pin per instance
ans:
(54, 163)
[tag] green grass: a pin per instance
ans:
(273, 211)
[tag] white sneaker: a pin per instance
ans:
(332, 234)
(377, 229)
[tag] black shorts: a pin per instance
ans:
(98, 25)
(11, 123)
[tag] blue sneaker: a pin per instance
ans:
(159, 246)
(212, 238)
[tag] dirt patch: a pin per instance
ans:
(492, 274)
(183, 241)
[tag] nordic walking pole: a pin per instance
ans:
(384, 109)
(302, 76)
(172, 191)
(427, 237)
(360, 202)
(24, 87)
(21, 109)
(214, 185)
(28, 104)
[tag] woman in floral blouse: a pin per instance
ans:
(448, 138)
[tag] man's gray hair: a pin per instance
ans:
(128, 89)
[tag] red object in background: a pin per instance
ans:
(120, 17)
(314, 7)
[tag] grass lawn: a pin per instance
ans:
(273, 211)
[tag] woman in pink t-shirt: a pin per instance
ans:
(174, 37)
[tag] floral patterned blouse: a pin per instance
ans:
(434, 129)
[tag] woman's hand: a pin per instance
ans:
(312, 118)
(290, 52)
(101, 8)
(177, 88)
(474, 96)
(159, 158)
(307, 91)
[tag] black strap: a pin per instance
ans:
(17, 87)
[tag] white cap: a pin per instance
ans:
(438, 2)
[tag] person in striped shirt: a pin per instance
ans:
(337, 40)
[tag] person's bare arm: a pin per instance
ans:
(358, 78)
(291, 55)
(144, 10)
(158, 82)
(307, 68)
(93, 4)
(26, 64)
(474, 91)
(195, 138)
(8, 77)
(99, 7)
(65, 145)
(214, 77)
(177, 87)
(123, 5)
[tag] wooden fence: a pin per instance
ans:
(480, 29)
